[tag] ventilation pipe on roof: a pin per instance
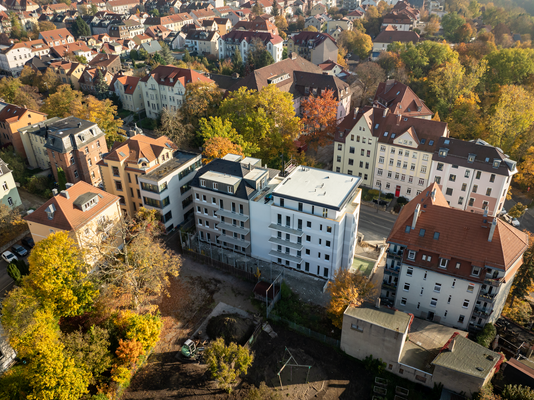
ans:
(384, 115)
(398, 119)
(492, 229)
(416, 215)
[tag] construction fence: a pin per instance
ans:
(306, 331)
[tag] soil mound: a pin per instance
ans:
(231, 327)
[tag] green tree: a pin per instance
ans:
(61, 179)
(266, 118)
(15, 162)
(517, 210)
(517, 392)
(487, 335)
(451, 22)
(217, 127)
(101, 85)
(14, 273)
(275, 10)
(524, 279)
(80, 28)
(421, 58)
(186, 57)
(59, 104)
(258, 56)
(356, 42)
(226, 363)
(8, 89)
(509, 67)
(237, 62)
(202, 99)
(166, 54)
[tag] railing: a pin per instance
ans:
(482, 312)
(492, 281)
(487, 297)
(387, 285)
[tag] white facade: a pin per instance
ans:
(157, 97)
(13, 60)
(9, 194)
(167, 189)
(227, 49)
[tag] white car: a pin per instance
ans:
(9, 257)
(515, 222)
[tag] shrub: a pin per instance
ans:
(486, 336)
(121, 375)
(402, 200)
(14, 273)
(389, 195)
(374, 365)
(144, 328)
(517, 392)
(373, 192)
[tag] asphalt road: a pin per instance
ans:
(6, 283)
(527, 220)
(375, 225)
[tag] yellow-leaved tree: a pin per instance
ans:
(58, 276)
(347, 289)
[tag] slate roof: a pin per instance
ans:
(67, 215)
(151, 47)
(240, 36)
(304, 38)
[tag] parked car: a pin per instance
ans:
(28, 242)
(515, 222)
(9, 257)
(507, 218)
(19, 250)
(503, 211)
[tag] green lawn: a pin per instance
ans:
(362, 266)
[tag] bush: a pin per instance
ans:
(14, 273)
(402, 200)
(389, 195)
(517, 392)
(40, 186)
(374, 365)
(374, 192)
(486, 336)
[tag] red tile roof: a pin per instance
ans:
(129, 83)
(163, 75)
(400, 99)
(67, 216)
(56, 34)
(390, 35)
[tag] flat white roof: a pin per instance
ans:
(232, 157)
(221, 178)
(251, 160)
(255, 174)
(318, 186)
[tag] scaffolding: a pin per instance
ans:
(291, 365)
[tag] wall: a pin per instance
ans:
(11, 192)
(260, 232)
(457, 382)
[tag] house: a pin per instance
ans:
(173, 22)
(391, 35)
(201, 14)
(157, 32)
(12, 118)
(320, 9)
(57, 37)
(317, 21)
(313, 46)
(5, 23)
(398, 21)
(122, 6)
(13, 58)
(89, 80)
(243, 40)
(75, 145)
(203, 42)
(87, 213)
(165, 87)
(129, 91)
(176, 40)
(34, 140)
(146, 172)
(78, 49)
(58, 8)
(345, 24)
(69, 72)
(258, 24)
(474, 176)
(224, 25)
(20, 5)
(301, 78)
(151, 47)
(431, 273)
(9, 194)
(418, 350)
(400, 99)
(106, 62)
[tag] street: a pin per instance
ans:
(375, 225)
(6, 283)
(527, 220)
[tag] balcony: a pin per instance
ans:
(233, 215)
(286, 229)
(492, 281)
(489, 298)
(286, 243)
(233, 228)
(482, 312)
(233, 241)
(285, 256)
(395, 254)
(390, 286)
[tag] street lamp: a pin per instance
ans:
(379, 191)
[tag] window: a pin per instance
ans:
(423, 169)
(464, 187)
(449, 192)
(433, 302)
(118, 185)
(452, 178)
(308, 238)
(465, 304)
(449, 299)
(440, 167)
(422, 291)
(356, 327)
(443, 262)
(411, 255)
(340, 147)
(409, 271)
(308, 224)
(467, 173)
(478, 174)
(351, 150)
(475, 271)
(470, 288)
(406, 287)
(437, 287)
(307, 252)
(438, 179)
(115, 171)
(461, 319)
(492, 178)
(471, 202)
(457, 265)
(426, 273)
(453, 283)
(351, 161)
(488, 192)
(484, 205)
(421, 182)
(327, 257)
(403, 301)
(327, 243)
(282, 202)
(460, 200)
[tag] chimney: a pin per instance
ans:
(356, 109)
(492, 229)
(451, 345)
(79, 124)
(385, 113)
(65, 194)
(398, 119)
(54, 192)
(416, 215)
(377, 304)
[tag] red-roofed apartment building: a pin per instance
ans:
(165, 86)
(129, 91)
(450, 266)
(313, 46)
(57, 37)
(241, 41)
(12, 118)
(84, 211)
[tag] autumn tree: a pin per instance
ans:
(218, 147)
(202, 99)
(319, 119)
(356, 42)
(451, 22)
(310, 28)
(266, 119)
(281, 23)
(347, 289)
(227, 363)
(59, 104)
(499, 67)
(525, 177)
(524, 279)
(465, 118)
(172, 126)
(46, 26)
(422, 57)
(369, 74)
(8, 89)
(517, 210)
(511, 122)
(142, 266)
(59, 276)
(258, 56)
(216, 127)
(432, 26)
(517, 392)
(14, 161)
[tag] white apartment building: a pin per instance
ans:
(9, 194)
(473, 176)
(34, 140)
(130, 92)
(13, 58)
(167, 188)
(313, 222)
(242, 41)
(448, 265)
(165, 87)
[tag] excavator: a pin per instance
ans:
(191, 351)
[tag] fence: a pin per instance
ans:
(240, 270)
(306, 331)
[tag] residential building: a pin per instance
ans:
(91, 78)
(165, 86)
(224, 25)
(75, 145)
(130, 92)
(313, 46)
(320, 9)
(106, 62)
(9, 194)
(432, 273)
(474, 176)
(20, 5)
(167, 188)
(389, 36)
(345, 24)
(312, 225)
(34, 140)
(317, 21)
(400, 99)
(5, 23)
(13, 58)
(57, 37)
(201, 14)
(157, 32)
(87, 213)
(173, 22)
(122, 6)
(301, 78)
(355, 14)
(12, 118)
(222, 191)
(398, 21)
(418, 350)
(77, 49)
(151, 46)
(258, 24)
(69, 72)
(203, 42)
(242, 41)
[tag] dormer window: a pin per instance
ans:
(496, 163)
(411, 255)
(471, 158)
(443, 152)
(202, 183)
(230, 189)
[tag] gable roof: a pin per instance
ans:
(104, 60)
(56, 34)
(456, 228)
(129, 83)
(169, 75)
(67, 215)
(390, 35)
(307, 38)
(11, 113)
(240, 36)
(400, 99)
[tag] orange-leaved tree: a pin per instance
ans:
(218, 147)
(319, 117)
(347, 289)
